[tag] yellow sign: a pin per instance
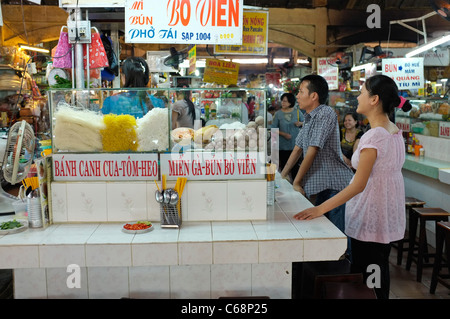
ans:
(254, 35)
(221, 72)
(192, 59)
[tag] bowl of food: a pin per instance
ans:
(138, 227)
(13, 226)
(182, 135)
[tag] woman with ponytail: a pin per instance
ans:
(135, 74)
(183, 110)
(375, 197)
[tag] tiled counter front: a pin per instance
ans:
(128, 201)
(203, 259)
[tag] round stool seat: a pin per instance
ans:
(430, 212)
(411, 201)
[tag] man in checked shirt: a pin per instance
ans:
(323, 172)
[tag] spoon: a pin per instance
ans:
(173, 198)
(159, 196)
(167, 195)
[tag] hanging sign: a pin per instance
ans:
(440, 57)
(221, 72)
(329, 72)
(273, 78)
(184, 21)
(104, 167)
(192, 56)
(213, 165)
(444, 129)
(406, 72)
(254, 35)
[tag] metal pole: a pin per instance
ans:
(79, 71)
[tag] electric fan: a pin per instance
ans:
(19, 152)
(340, 59)
(176, 57)
(442, 7)
(375, 55)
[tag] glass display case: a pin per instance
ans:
(140, 120)
(111, 144)
(426, 117)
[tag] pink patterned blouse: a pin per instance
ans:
(378, 213)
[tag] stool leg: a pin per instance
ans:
(413, 219)
(422, 247)
(400, 251)
(437, 259)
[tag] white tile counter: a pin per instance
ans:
(199, 260)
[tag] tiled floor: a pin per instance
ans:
(405, 286)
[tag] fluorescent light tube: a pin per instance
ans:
(31, 48)
(428, 46)
(362, 67)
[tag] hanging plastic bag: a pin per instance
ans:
(97, 53)
(112, 58)
(63, 53)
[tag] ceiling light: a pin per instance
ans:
(32, 48)
(362, 67)
(428, 46)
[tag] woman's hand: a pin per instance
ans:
(309, 213)
(286, 135)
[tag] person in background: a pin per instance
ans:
(251, 107)
(183, 110)
(350, 136)
(243, 107)
(375, 197)
(135, 74)
(323, 172)
(288, 120)
(270, 113)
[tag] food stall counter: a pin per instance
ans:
(207, 259)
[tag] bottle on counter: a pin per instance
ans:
(410, 143)
(213, 110)
(206, 111)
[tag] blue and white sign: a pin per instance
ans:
(406, 72)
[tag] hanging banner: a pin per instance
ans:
(192, 56)
(440, 57)
(184, 21)
(406, 72)
(328, 72)
(221, 72)
(254, 35)
(273, 78)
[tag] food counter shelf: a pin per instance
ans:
(199, 260)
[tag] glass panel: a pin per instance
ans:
(154, 120)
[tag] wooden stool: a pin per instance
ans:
(442, 236)
(422, 214)
(410, 202)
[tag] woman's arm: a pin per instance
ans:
(174, 119)
(365, 165)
